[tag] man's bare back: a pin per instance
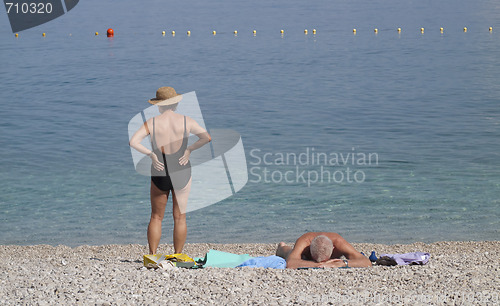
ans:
(300, 256)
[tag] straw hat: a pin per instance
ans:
(166, 96)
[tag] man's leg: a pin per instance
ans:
(283, 250)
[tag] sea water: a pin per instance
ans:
(382, 137)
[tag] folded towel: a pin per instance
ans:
(274, 262)
(414, 258)
(219, 259)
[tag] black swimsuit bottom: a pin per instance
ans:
(174, 176)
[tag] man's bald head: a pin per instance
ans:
(321, 248)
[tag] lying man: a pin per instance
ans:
(321, 250)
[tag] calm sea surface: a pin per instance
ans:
(425, 105)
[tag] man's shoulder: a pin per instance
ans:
(332, 235)
(309, 236)
(316, 234)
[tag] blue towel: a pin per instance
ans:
(274, 262)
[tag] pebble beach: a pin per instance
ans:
(458, 273)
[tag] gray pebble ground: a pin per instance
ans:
(458, 273)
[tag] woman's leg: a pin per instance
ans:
(179, 199)
(180, 227)
(158, 202)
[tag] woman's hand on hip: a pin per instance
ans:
(156, 163)
(185, 158)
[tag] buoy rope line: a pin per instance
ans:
(110, 32)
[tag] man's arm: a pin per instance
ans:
(351, 263)
(354, 258)
(295, 260)
(359, 262)
(341, 248)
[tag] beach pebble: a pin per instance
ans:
(109, 275)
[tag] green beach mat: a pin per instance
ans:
(219, 259)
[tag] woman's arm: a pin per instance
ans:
(135, 142)
(203, 138)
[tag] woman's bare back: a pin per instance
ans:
(169, 131)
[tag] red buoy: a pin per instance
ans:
(111, 33)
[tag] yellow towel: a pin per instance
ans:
(152, 261)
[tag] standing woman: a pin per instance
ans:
(170, 169)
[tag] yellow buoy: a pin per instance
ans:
(422, 30)
(96, 33)
(465, 29)
(43, 34)
(491, 29)
(188, 33)
(163, 33)
(254, 32)
(17, 35)
(441, 30)
(354, 31)
(235, 32)
(314, 31)
(282, 31)
(213, 32)
(376, 30)
(399, 29)
(305, 31)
